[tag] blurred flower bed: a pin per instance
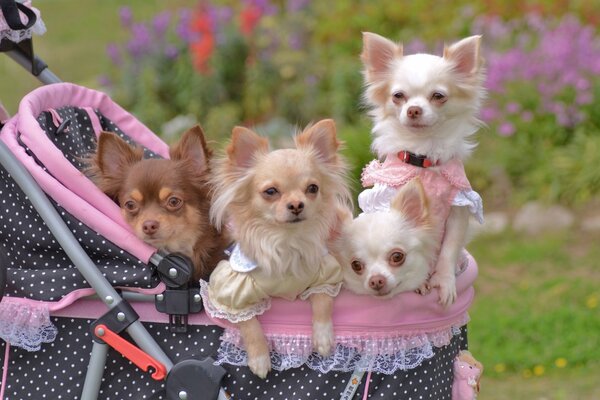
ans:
(275, 65)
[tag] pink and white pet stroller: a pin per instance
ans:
(88, 311)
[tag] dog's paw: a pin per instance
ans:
(446, 285)
(424, 289)
(323, 338)
(260, 364)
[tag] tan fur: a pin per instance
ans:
(265, 228)
(150, 184)
(466, 356)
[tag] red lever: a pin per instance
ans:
(132, 353)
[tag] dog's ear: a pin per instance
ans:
(465, 55)
(245, 146)
(192, 146)
(412, 202)
(113, 158)
(322, 138)
(378, 54)
(343, 218)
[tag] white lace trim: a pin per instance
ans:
(471, 199)
(239, 262)
(330, 290)
(25, 325)
(243, 315)
(39, 28)
(379, 197)
(363, 353)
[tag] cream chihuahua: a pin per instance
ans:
(384, 253)
(424, 111)
(282, 208)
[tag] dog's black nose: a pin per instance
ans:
(295, 207)
(150, 227)
(377, 282)
(414, 112)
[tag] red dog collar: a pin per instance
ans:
(416, 159)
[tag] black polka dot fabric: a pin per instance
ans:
(38, 267)
(58, 370)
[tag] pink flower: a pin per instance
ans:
(506, 129)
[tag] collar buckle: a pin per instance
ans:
(416, 159)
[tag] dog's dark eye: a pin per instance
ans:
(357, 266)
(312, 188)
(271, 191)
(397, 258)
(130, 205)
(174, 202)
(398, 97)
(438, 97)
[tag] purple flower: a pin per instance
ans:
(489, 114)
(114, 54)
(183, 28)
(296, 5)
(584, 98)
(527, 116)
(126, 16)
(160, 24)
(140, 44)
(296, 41)
(415, 46)
(265, 6)
(171, 52)
(506, 129)
(513, 107)
(104, 81)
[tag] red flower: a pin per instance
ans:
(202, 47)
(249, 18)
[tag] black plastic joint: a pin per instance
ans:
(117, 319)
(175, 269)
(194, 379)
(178, 303)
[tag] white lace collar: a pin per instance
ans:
(239, 262)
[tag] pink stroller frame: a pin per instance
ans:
(73, 274)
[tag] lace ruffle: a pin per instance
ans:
(471, 199)
(245, 315)
(386, 354)
(39, 28)
(379, 197)
(377, 172)
(25, 325)
(239, 262)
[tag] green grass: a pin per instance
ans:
(536, 316)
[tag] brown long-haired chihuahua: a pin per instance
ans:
(165, 201)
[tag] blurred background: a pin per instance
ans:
(278, 64)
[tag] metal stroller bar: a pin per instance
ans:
(84, 264)
(45, 76)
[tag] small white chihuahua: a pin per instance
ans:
(384, 253)
(424, 111)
